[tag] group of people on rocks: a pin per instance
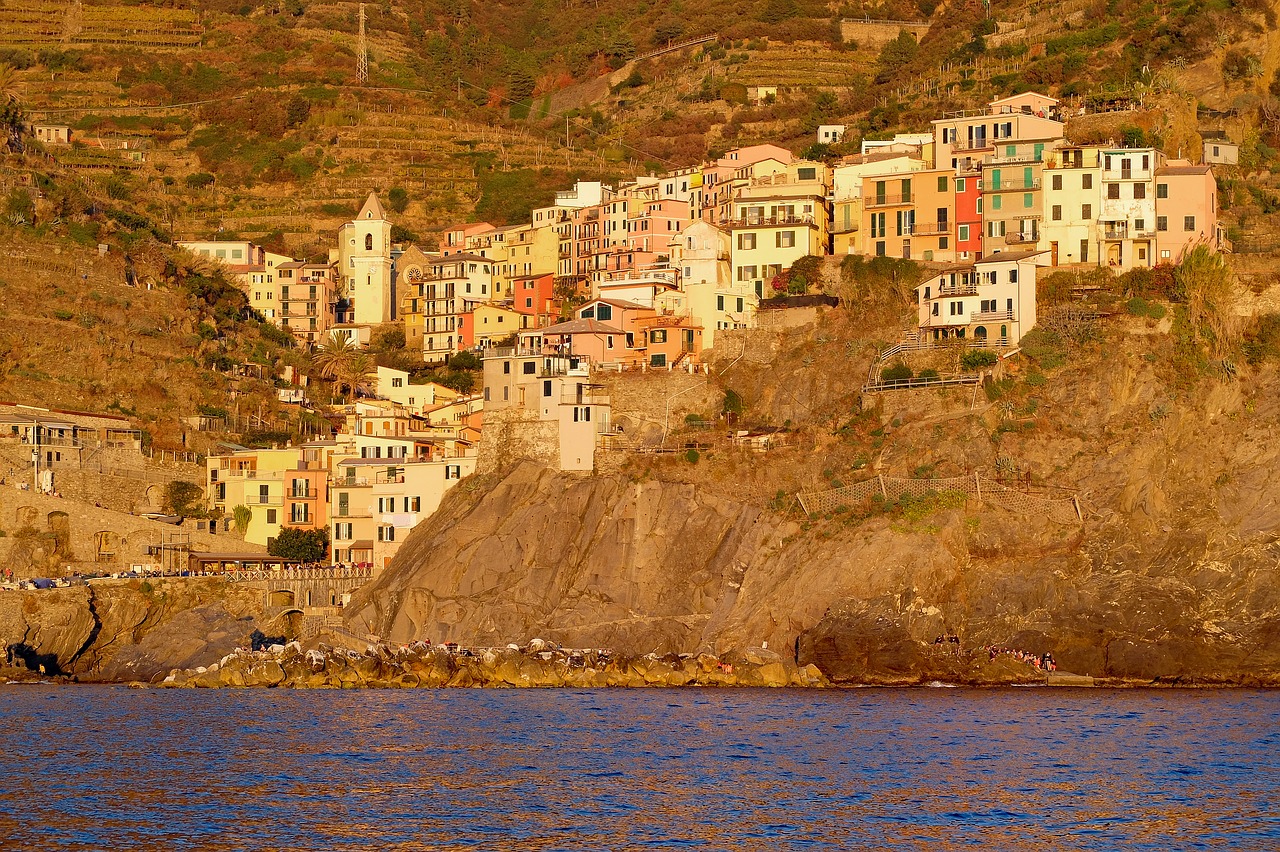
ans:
(1044, 662)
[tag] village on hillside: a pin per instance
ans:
(645, 276)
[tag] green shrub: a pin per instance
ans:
(1140, 307)
(976, 359)
(692, 456)
(896, 372)
(927, 373)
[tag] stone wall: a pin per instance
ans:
(640, 401)
(873, 35)
(51, 536)
(513, 434)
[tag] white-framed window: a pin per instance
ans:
(453, 471)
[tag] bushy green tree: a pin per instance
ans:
(302, 545)
(180, 497)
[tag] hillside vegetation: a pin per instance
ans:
(251, 121)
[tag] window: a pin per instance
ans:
(658, 335)
(368, 242)
(529, 368)
(719, 303)
(740, 304)
(1188, 223)
(943, 243)
(809, 173)
(342, 532)
(453, 471)
(1113, 190)
(413, 504)
(963, 234)
(1162, 190)
(386, 533)
(957, 309)
(1028, 199)
(746, 242)
(1139, 225)
(960, 184)
(1057, 213)
(1086, 181)
(546, 387)
(942, 183)
(1057, 182)
(1013, 276)
(604, 313)
(995, 202)
(1086, 211)
(786, 239)
(1162, 223)
(397, 382)
(877, 225)
(1139, 190)
(271, 516)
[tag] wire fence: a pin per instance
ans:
(1058, 505)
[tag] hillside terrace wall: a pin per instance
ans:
(512, 434)
(639, 400)
(873, 35)
(128, 535)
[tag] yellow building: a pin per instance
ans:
(489, 323)
(778, 219)
(1072, 182)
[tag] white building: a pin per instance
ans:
(831, 134)
(991, 301)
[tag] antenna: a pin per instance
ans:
(362, 53)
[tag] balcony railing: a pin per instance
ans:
(303, 494)
(1013, 185)
(388, 479)
(888, 200)
(349, 482)
(991, 316)
(1115, 233)
(764, 221)
(586, 397)
(1017, 238)
(926, 229)
(958, 290)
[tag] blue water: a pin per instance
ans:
(91, 768)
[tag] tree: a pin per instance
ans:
(361, 369)
(300, 545)
(1203, 281)
(895, 55)
(398, 199)
(179, 496)
(332, 359)
(12, 119)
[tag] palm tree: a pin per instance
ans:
(361, 369)
(12, 120)
(332, 358)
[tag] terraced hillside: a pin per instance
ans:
(64, 25)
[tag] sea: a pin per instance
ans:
(110, 768)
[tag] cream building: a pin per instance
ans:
(364, 264)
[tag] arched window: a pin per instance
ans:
(980, 332)
(368, 242)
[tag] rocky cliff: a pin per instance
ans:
(658, 567)
(1169, 573)
(127, 631)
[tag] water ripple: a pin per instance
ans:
(99, 767)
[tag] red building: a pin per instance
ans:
(533, 296)
(968, 216)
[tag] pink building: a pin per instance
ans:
(1186, 210)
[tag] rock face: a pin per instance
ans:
(538, 664)
(645, 567)
(126, 631)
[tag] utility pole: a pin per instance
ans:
(362, 53)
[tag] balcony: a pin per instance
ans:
(888, 200)
(767, 221)
(946, 292)
(929, 229)
(1019, 238)
(350, 482)
(303, 494)
(388, 478)
(991, 316)
(587, 396)
(1114, 233)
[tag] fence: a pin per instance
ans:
(1026, 500)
